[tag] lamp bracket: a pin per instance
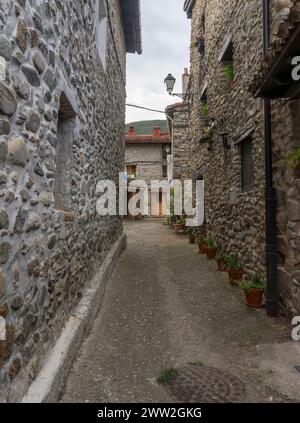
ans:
(185, 97)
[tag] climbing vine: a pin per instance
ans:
(292, 161)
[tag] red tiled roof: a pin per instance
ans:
(149, 139)
(157, 137)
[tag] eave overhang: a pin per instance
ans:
(278, 82)
(188, 7)
(149, 140)
(131, 13)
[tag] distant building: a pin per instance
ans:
(146, 158)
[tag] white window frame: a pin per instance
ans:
(101, 31)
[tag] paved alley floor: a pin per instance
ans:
(165, 307)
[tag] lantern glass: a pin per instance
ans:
(170, 82)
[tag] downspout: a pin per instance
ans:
(270, 191)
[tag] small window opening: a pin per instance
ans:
(65, 133)
(247, 170)
(101, 31)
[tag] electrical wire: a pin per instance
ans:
(145, 108)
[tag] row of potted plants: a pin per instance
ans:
(253, 288)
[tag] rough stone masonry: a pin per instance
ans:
(230, 33)
(62, 111)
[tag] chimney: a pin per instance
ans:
(156, 132)
(185, 80)
(131, 132)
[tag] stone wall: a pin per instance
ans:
(47, 255)
(147, 158)
(286, 137)
(236, 219)
(237, 227)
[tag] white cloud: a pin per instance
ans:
(166, 41)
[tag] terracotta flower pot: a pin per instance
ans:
(192, 239)
(221, 265)
(211, 253)
(235, 275)
(178, 227)
(202, 248)
(254, 298)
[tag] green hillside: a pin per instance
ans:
(146, 127)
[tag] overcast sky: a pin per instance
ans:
(166, 41)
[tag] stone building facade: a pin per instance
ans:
(227, 134)
(62, 114)
(146, 158)
(178, 119)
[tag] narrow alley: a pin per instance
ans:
(166, 307)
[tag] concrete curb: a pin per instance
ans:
(50, 381)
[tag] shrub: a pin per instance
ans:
(229, 71)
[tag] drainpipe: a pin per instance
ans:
(270, 191)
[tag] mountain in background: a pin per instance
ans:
(146, 127)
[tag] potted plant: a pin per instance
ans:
(235, 270)
(191, 234)
(211, 249)
(202, 244)
(179, 225)
(222, 261)
(254, 291)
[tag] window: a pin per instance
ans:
(101, 31)
(226, 58)
(65, 130)
(131, 171)
(165, 171)
(165, 152)
(226, 55)
(247, 164)
(202, 23)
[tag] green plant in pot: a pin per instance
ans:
(202, 244)
(235, 270)
(191, 234)
(179, 225)
(211, 249)
(222, 260)
(254, 290)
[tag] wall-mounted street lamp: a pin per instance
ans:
(170, 83)
(224, 134)
(211, 123)
(224, 138)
